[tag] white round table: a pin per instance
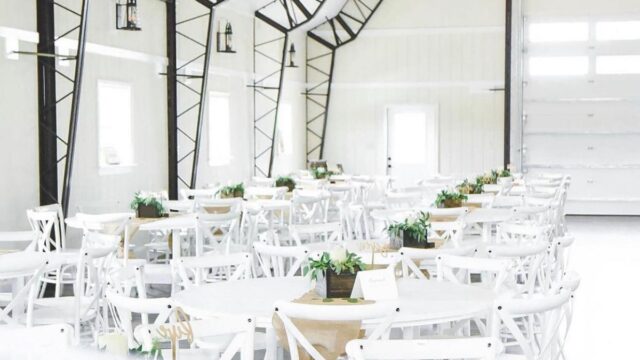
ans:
(420, 301)
(488, 217)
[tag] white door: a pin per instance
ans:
(412, 143)
(582, 110)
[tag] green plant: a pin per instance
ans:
(142, 198)
(321, 173)
(231, 191)
(445, 195)
(505, 173)
(415, 226)
(286, 181)
(153, 353)
(467, 187)
(489, 178)
(338, 260)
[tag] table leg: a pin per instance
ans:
(271, 352)
(486, 232)
(125, 255)
(176, 244)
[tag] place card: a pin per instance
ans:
(375, 285)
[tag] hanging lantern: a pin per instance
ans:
(127, 15)
(225, 38)
(292, 56)
(228, 36)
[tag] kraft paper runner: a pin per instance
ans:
(132, 228)
(328, 337)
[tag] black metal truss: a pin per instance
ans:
(58, 137)
(187, 89)
(322, 43)
(269, 59)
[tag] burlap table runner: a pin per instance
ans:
(443, 218)
(328, 337)
(472, 205)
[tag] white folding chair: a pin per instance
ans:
(22, 272)
(309, 206)
(309, 233)
(482, 348)
(263, 182)
(414, 261)
(265, 193)
(195, 271)
(123, 307)
(46, 230)
(529, 274)
(198, 194)
(41, 342)
(531, 326)
(447, 231)
(88, 290)
(459, 269)
(513, 234)
(217, 232)
(382, 313)
(280, 261)
(231, 335)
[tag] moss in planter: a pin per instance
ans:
(232, 191)
(283, 181)
(448, 199)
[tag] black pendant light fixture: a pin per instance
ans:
(292, 56)
(225, 38)
(127, 15)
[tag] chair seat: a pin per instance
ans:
(61, 310)
(157, 274)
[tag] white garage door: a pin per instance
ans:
(581, 105)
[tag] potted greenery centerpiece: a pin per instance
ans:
(412, 232)
(321, 173)
(504, 177)
(450, 199)
(335, 272)
(467, 187)
(287, 181)
(232, 191)
(147, 205)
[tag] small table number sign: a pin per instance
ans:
(375, 285)
(181, 329)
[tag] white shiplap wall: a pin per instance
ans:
(136, 58)
(422, 52)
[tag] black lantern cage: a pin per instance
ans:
(127, 15)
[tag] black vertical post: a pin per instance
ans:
(507, 83)
(328, 102)
(75, 106)
(47, 141)
(172, 103)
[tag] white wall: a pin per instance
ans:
(135, 58)
(447, 53)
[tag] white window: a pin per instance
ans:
(285, 129)
(619, 64)
(115, 139)
(618, 30)
(559, 32)
(558, 66)
(219, 130)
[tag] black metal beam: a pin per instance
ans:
(280, 83)
(47, 120)
(507, 82)
(328, 101)
(75, 106)
(203, 91)
(172, 101)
